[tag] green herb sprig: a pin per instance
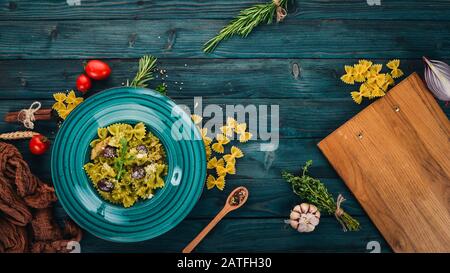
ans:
(314, 191)
(147, 64)
(245, 22)
(120, 160)
(161, 88)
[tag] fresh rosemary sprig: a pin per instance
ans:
(144, 74)
(245, 22)
(315, 192)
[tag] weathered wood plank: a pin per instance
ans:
(176, 39)
(230, 78)
(290, 155)
(250, 235)
(270, 197)
(220, 9)
(298, 118)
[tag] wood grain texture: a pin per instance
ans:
(297, 118)
(254, 165)
(176, 39)
(43, 45)
(220, 9)
(400, 168)
(226, 78)
(240, 235)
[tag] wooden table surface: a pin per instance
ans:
(296, 64)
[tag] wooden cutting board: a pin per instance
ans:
(395, 157)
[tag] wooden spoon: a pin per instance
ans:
(230, 205)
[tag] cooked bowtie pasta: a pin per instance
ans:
(127, 163)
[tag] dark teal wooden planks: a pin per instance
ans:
(251, 235)
(296, 64)
(271, 198)
(298, 118)
(291, 155)
(179, 39)
(219, 9)
(226, 78)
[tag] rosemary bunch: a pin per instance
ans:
(245, 22)
(314, 191)
(144, 74)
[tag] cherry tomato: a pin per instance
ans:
(97, 70)
(83, 83)
(39, 144)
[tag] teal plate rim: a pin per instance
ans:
(146, 219)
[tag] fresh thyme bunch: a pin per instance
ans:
(315, 192)
(247, 20)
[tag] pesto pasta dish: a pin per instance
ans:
(127, 164)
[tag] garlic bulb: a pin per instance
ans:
(304, 217)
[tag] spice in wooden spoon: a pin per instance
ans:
(235, 200)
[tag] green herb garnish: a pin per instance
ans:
(314, 191)
(161, 88)
(144, 74)
(246, 21)
(120, 161)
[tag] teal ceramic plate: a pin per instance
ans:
(146, 219)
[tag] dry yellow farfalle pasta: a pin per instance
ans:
(65, 103)
(196, 119)
(229, 168)
(373, 83)
(204, 132)
(208, 151)
(218, 146)
(212, 182)
(393, 65)
(240, 129)
(235, 153)
(214, 162)
(226, 164)
(348, 77)
(231, 122)
(227, 130)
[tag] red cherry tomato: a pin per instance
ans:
(83, 83)
(39, 144)
(97, 70)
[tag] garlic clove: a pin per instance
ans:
(304, 207)
(294, 224)
(314, 220)
(317, 214)
(294, 215)
(302, 227)
(310, 227)
(297, 209)
(312, 208)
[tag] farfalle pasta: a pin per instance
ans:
(65, 103)
(127, 163)
(226, 163)
(373, 83)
